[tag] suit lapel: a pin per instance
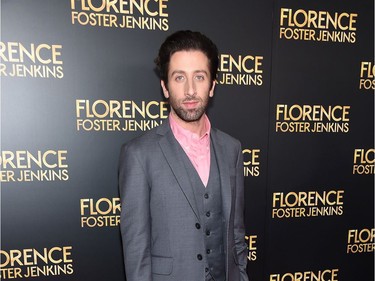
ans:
(171, 151)
(222, 163)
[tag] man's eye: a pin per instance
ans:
(179, 78)
(199, 77)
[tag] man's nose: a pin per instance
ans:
(190, 89)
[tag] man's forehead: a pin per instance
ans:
(189, 53)
(188, 59)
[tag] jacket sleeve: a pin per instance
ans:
(135, 221)
(239, 228)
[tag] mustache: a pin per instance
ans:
(191, 98)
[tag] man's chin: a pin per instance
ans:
(190, 115)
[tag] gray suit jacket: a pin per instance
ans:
(160, 224)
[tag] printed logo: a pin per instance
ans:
(364, 161)
(100, 213)
(251, 162)
(307, 204)
(26, 166)
(127, 14)
(367, 74)
(322, 26)
(246, 70)
(31, 60)
(361, 241)
(312, 118)
(252, 248)
(29, 263)
(114, 115)
(319, 275)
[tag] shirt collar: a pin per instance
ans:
(185, 136)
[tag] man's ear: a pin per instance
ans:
(165, 89)
(211, 93)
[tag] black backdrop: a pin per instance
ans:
(295, 85)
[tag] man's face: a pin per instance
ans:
(189, 85)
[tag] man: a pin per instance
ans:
(181, 184)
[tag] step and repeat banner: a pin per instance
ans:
(295, 86)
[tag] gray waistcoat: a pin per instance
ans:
(209, 205)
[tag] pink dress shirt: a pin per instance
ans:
(196, 147)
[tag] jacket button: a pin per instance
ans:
(206, 196)
(208, 251)
(208, 214)
(197, 225)
(208, 232)
(199, 257)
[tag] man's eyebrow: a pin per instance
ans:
(183, 72)
(201, 71)
(177, 72)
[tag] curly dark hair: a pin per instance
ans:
(186, 40)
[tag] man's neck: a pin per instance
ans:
(197, 127)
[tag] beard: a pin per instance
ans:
(189, 115)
